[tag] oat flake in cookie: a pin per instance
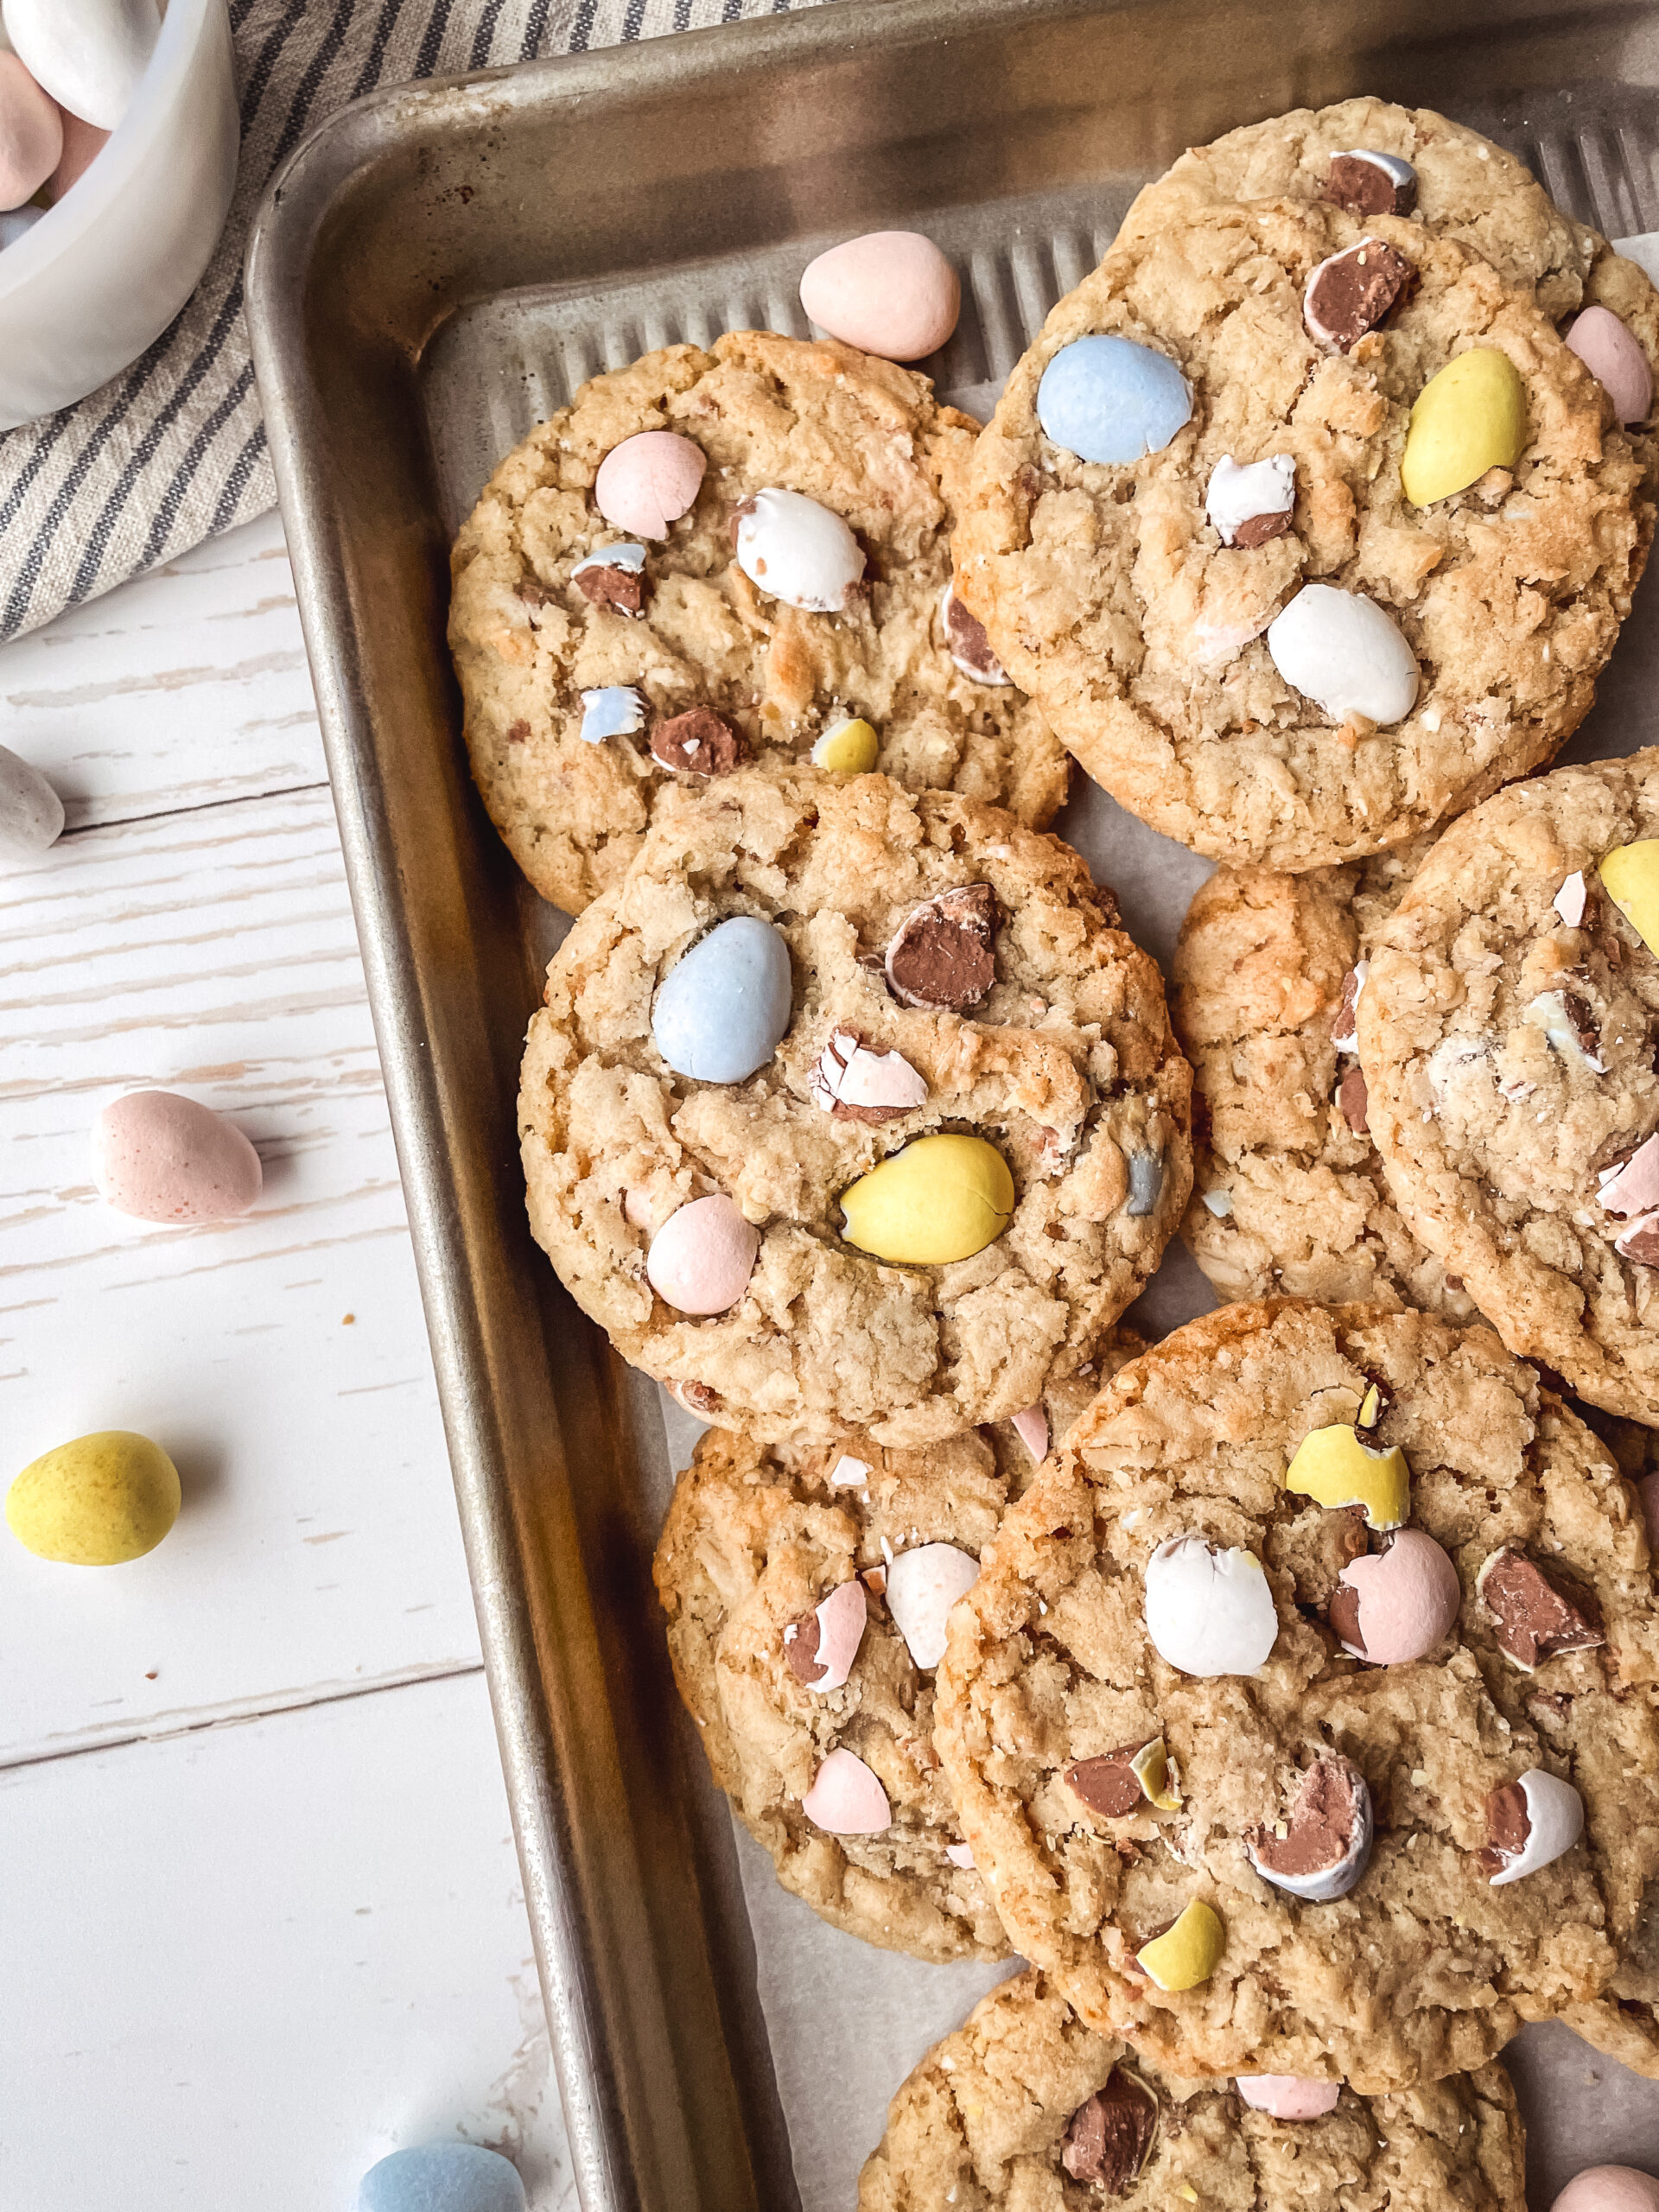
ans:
(1288, 1194)
(1347, 683)
(1045, 1167)
(1508, 1031)
(1472, 1911)
(783, 1574)
(1024, 2109)
(551, 600)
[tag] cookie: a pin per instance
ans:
(1301, 684)
(1508, 1059)
(1024, 2107)
(798, 1637)
(544, 622)
(1377, 1866)
(853, 1107)
(1288, 1193)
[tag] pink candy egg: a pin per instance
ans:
(890, 292)
(1287, 2097)
(846, 1798)
(82, 144)
(649, 481)
(700, 1259)
(1609, 2189)
(31, 135)
(1615, 361)
(1032, 1429)
(1409, 1596)
(159, 1157)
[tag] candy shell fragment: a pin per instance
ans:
(1609, 352)
(1287, 2097)
(645, 485)
(1187, 1953)
(1392, 1606)
(1630, 875)
(1334, 1468)
(923, 1584)
(848, 749)
(1210, 1611)
(846, 1798)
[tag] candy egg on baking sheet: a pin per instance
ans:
(889, 292)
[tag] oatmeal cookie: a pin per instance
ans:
(853, 1107)
(1454, 643)
(1024, 2107)
(789, 1647)
(537, 621)
(1508, 1055)
(1288, 1194)
(1369, 1868)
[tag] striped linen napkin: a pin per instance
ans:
(173, 450)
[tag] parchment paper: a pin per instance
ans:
(848, 2022)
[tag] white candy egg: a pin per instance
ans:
(922, 1586)
(89, 54)
(1345, 654)
(793, 550)
(1210, 1611)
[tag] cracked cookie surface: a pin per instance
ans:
(861, 436)
(1066, 1066)
(982, 2124)
(1108, 593)
(1423, 1968)
(1493, 1120)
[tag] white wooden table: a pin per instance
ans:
(260, 1920)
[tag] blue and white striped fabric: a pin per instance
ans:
(173, 450)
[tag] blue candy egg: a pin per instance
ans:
(441, 2177)
(1109, 400)
(721, 1012)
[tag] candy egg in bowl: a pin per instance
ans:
(91, 281)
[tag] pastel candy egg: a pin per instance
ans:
(1346, 654)
(1630, 875)
(794, 549)
(846, 1798)
(1323, 1848)
(1471, 418)
(889, 292)
(1187, 1954)
(941, 1199)
(1210, 1610)
(649, 481)
(82, 144)
(1530, 1823)
(31, 134)
(700, 1259)
(31, 813)
(721, 1012)
(1107, 399)
(614, 710)
(922, 1586)
(1334, 1468)
(1393, 1606)
(89, 56)
(159, 1157)
(1032, 1429)
(98, 1502)
(1287, 2097)
(848, 749)
(1617, 362)
(441, 2177)
(1609, 2189)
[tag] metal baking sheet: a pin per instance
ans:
(434, 272)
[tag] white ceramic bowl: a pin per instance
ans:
(103, 273)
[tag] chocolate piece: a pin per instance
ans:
(1107, 2138)
(1256, 530)
(1324, 1821)
(1538, 1615)
(699, 1398)
(1353, 1098)
(849, 1062)
(966, 642)
(1107, 1785)
(698, 743)
(534, 595)
(1344, 1022)
(517, 733)
(1365, 187)
(1343, 1613)
(1508, 1826)
(1640, 1242)
(942, 955)
(801, 1650)
(1351, 292)
(623, 590)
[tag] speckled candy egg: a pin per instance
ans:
(1106, 399)
(889, 292)
(792, 549)
(98, 1502)
(1609, 2189)
(649, 481)
(31, 134)
(700, 1259)
(160, 1157)
(443, 2178)
(720, 1013)
(1287, 2097)
(1615, 361)
(31, 813)
(89, 55)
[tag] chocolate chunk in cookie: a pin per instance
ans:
(1109, 2136)
(1351, 292)
(1539, 1614)
(942, 954)
(699, 742)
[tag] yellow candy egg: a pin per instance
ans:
(101, 1500)
(1187, 1954)
(1630, 876)
(941, 1199)
(1333, 1468)
(1471, 418)
(1151, 1768)
(849, 748)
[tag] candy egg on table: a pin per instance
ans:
(443, 2178)
(941, 1199)
(160, 1157)
(792, 549)
(1609, 2189)
(1392, 1606)
(89, 56)
(1471, 418)
(1210, 1610)
(649, 481)
(700, 1259)
(1287, 2097)
(720, 1013)
(31, 134)
(98, 1501)
(889, 292)
(1345, 654)
(1617, 362)
(1107, 399)
(31, 813)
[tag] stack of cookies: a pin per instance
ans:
(1286, 1693)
